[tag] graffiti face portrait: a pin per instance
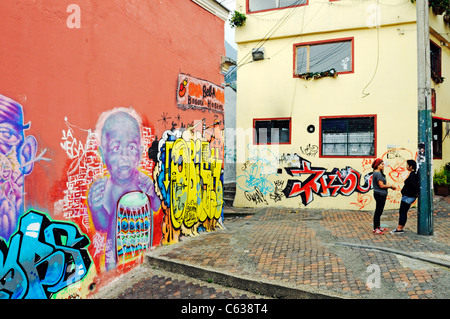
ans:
(17, 156)
(121, 146)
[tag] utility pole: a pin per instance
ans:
(424, 156)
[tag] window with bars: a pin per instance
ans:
(272, 131)
(348, 136)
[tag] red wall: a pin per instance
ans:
(125, 53)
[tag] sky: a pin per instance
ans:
(229, 32)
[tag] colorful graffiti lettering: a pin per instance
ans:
(190, 177)
(43, 258)
(325, 184)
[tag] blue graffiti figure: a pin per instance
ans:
(43, 257)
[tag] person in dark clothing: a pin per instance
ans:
(380, 192)
(410, 192)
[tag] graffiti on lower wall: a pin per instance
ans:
(324, 184)
(262, 179)
(116, 199)
(43, 258)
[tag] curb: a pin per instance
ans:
(398, 252)
(261, 287)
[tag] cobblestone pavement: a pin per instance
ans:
(145, 282)
(281, 253)
(331, 253)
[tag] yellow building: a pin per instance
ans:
(325, 88)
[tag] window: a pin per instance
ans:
(348, 137)
(261, 5)
(437, 138)
(272, 131)
(435, 59)
(324, 56)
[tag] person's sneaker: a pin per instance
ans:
(378, 231)
(396, 231)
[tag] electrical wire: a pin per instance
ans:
(378, 53)
(270, 33)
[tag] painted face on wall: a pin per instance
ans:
(17, 156)
(121, 146)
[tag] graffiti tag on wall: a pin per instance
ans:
(324, 184)
(43, 257)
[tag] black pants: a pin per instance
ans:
(404, 207)
(380, 202)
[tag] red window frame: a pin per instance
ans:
(347, 117)
(250, 12)
(272, 119)
(301, 44)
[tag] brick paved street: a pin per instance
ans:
(146, 282)
(303, 254)
(326, 252)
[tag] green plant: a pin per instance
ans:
(237, 19)
(447, 171)
(447, 167)
(440, 178)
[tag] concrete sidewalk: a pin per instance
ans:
(282, 253)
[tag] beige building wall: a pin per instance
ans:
(383, 83)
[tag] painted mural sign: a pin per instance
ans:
(199, 94)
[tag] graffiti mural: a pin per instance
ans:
(324, 184)
(121, 203)
(43, 258)
(190, 176)
(17, 157)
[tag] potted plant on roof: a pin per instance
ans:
(441, 183)
(237, 19)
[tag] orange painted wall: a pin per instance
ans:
(125, 53)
